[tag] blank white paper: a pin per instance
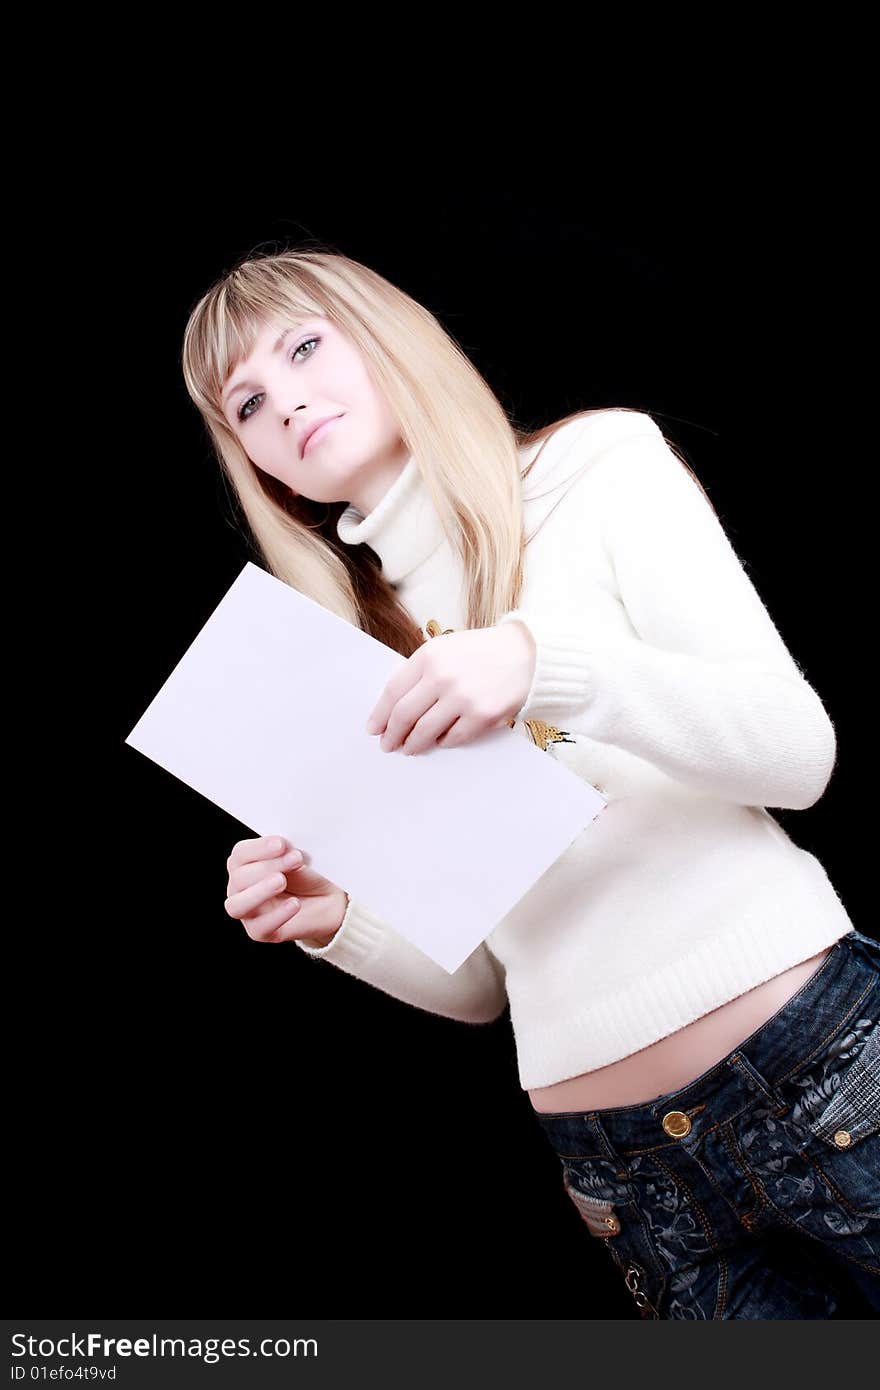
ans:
(264, 715)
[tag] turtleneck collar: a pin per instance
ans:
(403, 528)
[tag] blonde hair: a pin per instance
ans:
(466, 448)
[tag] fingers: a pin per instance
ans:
(289, 920)
(251, 884)
(403, 681)
(247, 900)
(454, 735)
(413, 728)
(248, 851)
(269, 926)
(439, 726)
(247, 874)
(258, 896)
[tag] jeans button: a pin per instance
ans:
(843, 1138)
(676, 1123)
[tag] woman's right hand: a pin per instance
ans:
(277, 897)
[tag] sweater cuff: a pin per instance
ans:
(356, 937)
(563, 678)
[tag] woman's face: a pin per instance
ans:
(273, 397)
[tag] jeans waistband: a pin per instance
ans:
(761, 1065)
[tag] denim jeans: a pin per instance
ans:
(754, 1191)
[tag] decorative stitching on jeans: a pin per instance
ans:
(752, 1075)
(839, 1025)
(665, 1146)
(739, 1159)
(855, 1105)
(721, 1297)
(834, 1188)
(764, 1200)
(805, 1231)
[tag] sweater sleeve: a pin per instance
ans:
(703, 686)
(370, 950)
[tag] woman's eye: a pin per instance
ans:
(244, 414)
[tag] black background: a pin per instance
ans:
(221, 1125)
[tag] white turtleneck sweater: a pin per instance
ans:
(661, 679)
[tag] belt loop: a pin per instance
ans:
(756, 1081)
(602, 1136)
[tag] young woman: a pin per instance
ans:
(695, 1014)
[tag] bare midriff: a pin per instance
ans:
(683, 1056)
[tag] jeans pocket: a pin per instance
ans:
(840, 1112)
(853, 1113)
(618, 1224)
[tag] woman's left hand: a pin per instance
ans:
(455, 688)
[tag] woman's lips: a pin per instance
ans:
(317, 435)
